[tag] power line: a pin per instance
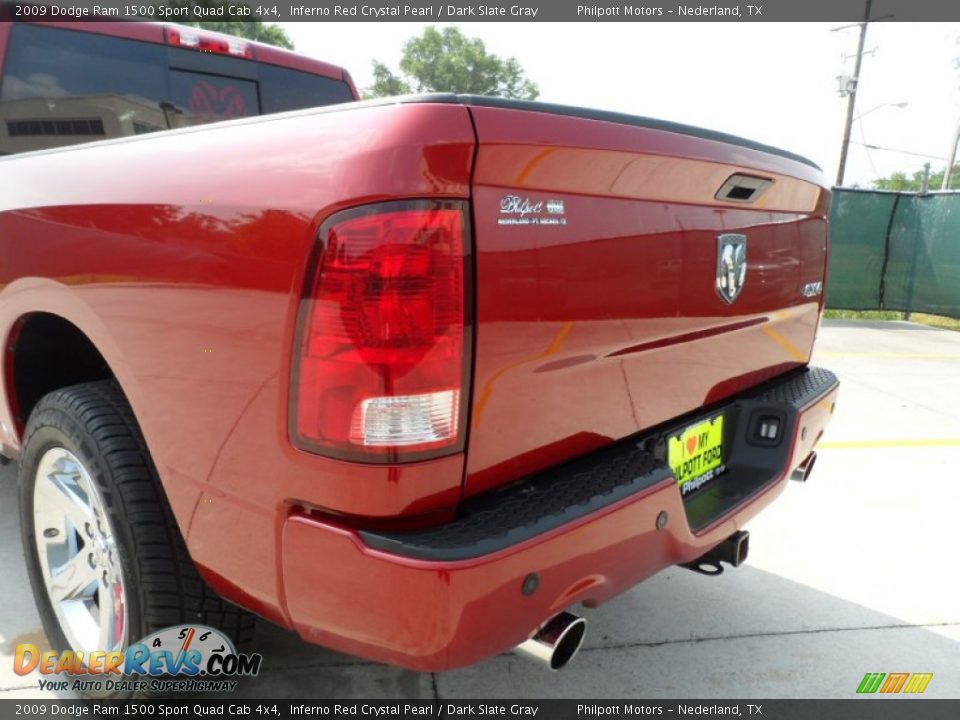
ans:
(863, 137)
(902, 152)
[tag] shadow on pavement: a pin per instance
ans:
(748, 633)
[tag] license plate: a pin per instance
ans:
(696, 454)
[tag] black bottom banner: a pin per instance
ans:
(868, 708)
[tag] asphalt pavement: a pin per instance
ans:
(849, 573)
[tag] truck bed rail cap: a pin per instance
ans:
(615, 117)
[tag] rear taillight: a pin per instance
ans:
(380, 360)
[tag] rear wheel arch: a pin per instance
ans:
(60, 342)
(45, 352)
(91, 504)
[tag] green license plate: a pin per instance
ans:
(696, 454)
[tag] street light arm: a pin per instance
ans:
(900, 105)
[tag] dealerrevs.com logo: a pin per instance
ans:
(184, 658)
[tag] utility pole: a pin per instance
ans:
(925, 180)
(924, 192)
(951, 158)
(852, 98)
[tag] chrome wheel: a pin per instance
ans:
(107, 561)
(78, 554)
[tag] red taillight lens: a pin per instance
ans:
(380, 359)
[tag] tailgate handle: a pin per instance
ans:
(743, 188)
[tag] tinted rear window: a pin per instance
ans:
(203, 98)
(61, 87)
(282, 89)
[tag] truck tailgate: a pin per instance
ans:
(610, 298)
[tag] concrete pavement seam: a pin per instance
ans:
(624, 646)
(692, 641)
(315, 666)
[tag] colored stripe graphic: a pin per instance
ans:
(870, 682)
(918, 683)
(894, 683)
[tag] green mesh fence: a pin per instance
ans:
(895, 251)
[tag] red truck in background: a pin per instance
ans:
(410, 376)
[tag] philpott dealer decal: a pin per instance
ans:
(516, 210)
(184, 658)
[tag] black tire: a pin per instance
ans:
(94, 422)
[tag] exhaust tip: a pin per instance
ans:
(557, 642)
(802, 473)
(568, 644)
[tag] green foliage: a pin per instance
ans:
(922, 318)
(913, 183)
(447, 61)
(386, 83)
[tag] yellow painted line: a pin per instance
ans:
(894, 355)
(791, 349)
(487, 391)
(557, 341)
(854, 444)
(532, 164)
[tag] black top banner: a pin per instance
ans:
(874, 709)
(488, 11)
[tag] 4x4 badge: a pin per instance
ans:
(731, 265)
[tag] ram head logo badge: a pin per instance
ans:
(731, 265)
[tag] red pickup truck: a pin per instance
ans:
(409, 376)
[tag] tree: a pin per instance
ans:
(447, 61)
(913, 183)
(385, 83)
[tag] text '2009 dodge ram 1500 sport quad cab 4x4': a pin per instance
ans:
(411, 377)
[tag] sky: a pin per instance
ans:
(770, 82)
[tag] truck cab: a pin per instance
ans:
(68, 83)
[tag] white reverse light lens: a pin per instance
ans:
(407, 419)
